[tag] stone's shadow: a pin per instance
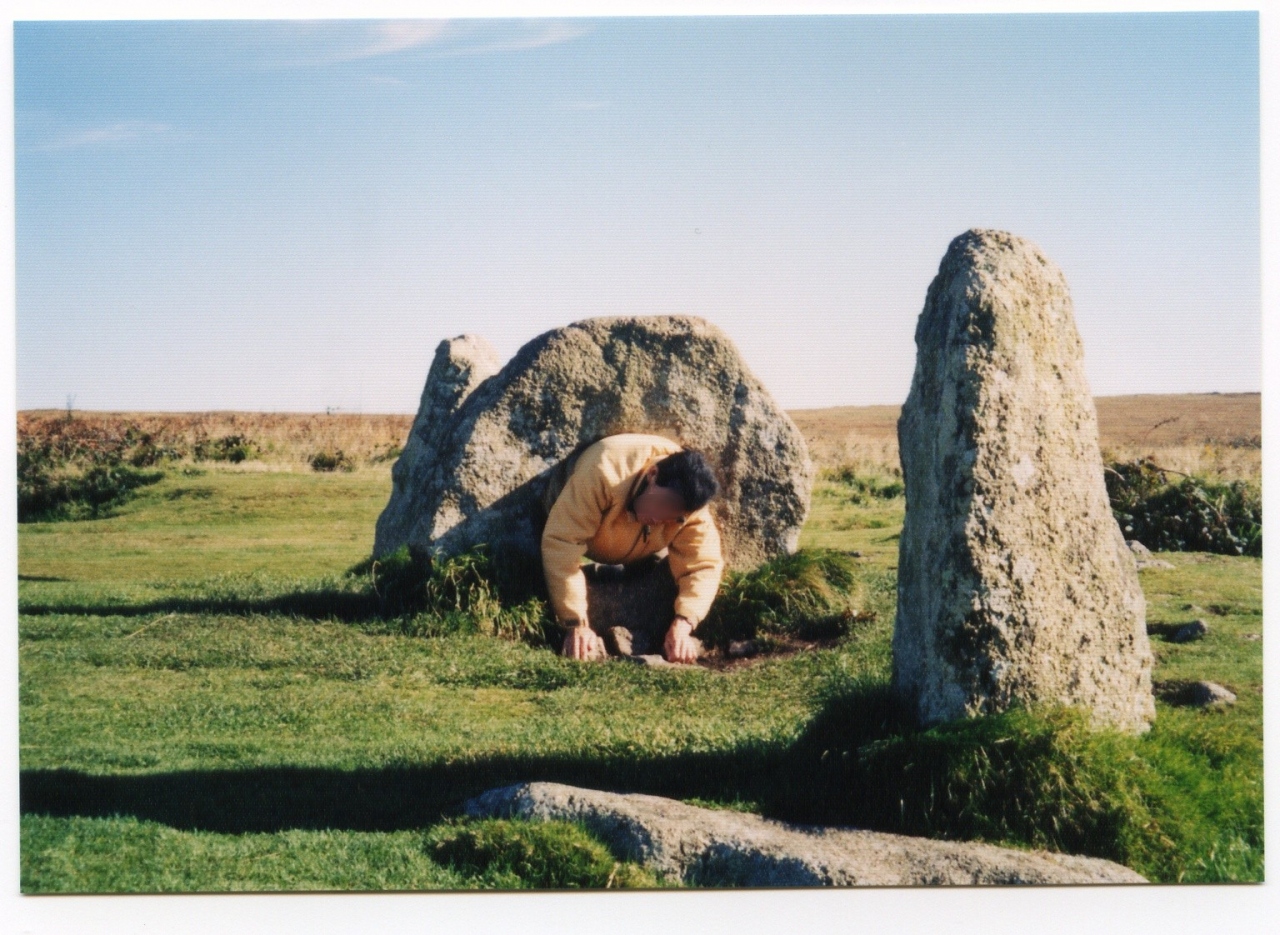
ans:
(392, 798)
(321, 604)
(779, 776)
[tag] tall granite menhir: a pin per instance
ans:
(1014, 582)
(481, 449)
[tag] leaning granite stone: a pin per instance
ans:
(1187, 633)
(460, 365)
(676, 376)
(1015, 584)
(712, 847)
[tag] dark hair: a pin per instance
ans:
(688, 474)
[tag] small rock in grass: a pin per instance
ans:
(739, 649)
(1196, 630)
(1143, 558)
(620, 637)
(1205, 695)
(657, 661)
(1252, 636)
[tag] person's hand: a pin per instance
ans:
(680, 645)
(582, 643)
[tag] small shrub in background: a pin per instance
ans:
(68, 470)
(331, 460)
(47, 494)
(864, 487)
(810, 594)
(232, 448)
(506, 854)
(1191, 514)
(390, 453)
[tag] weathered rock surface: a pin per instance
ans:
(480, 451)
(710, 847)
(1014, 581)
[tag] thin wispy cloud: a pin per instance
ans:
(114, 135)
(389, 38)
(535, 35)
(312, 44)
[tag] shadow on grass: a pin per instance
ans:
(393, 798)
(781, 777)
(320, 604)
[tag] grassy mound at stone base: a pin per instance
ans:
(1038, 778)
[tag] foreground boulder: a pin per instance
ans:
(483, 442)
(712, 847)
(1015, 584)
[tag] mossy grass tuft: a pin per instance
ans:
(864, 485)
(811, 594)
(452, 593)
(513, 854)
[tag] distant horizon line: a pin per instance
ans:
(337, 410)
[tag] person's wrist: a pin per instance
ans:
(682, 623)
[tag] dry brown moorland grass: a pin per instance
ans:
(1214, 433)
(284, 439)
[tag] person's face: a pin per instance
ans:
(658, 504)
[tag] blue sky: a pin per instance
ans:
(290, 215)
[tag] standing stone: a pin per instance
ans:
(486, 448)
(1015, 584)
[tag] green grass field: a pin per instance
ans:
(207, 704)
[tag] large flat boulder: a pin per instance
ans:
(483, 442)
(711, 847)
(1015, 584)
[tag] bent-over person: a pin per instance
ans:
(619, 501)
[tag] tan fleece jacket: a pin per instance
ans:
(591, 516)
